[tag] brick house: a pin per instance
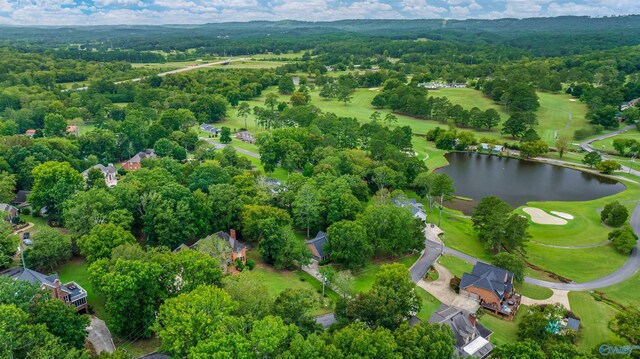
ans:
(245, 136)
(316, 247)
(472, 338)
(493, 287)
(133, 163)
(238, 249)
(9, 211)
(71, 293)
(30, 133)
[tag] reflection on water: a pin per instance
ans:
(518, 182)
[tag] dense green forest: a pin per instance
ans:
(341, 118)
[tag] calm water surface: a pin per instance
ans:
(518, 182)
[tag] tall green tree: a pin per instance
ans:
(348, 244)
(54, 125)
(192, 317)
(307, 208)
(50, 249)
(53, 183)
(294, 307)
(101, 239)
(244, 110)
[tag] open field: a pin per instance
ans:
(595, 317)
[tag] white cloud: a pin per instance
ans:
(5, 6)
(422, 9)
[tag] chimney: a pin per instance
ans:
(232, 233)
(473, 319)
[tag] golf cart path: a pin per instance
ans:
(435, 247)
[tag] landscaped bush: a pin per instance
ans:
(250, 264)
(26, 211)
(624, 239)
(614, 214)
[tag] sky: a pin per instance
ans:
(114, 12)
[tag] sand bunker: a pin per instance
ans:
(541, 217)
(562, 215)
(573, 100)
(374, 89)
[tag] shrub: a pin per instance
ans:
(623, 239)
(250, 264)
(614, 214)
(454, 283)
(26, 211)
(608, 166)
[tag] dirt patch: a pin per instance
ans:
(541, 217)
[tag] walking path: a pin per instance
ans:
(559, 296)
(29, 225)
(586, 145)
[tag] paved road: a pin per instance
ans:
(222, 145)
(163, 74)
(586, 145)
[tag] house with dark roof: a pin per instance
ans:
(493, 287)
(133, 163)
(108, 172)
(20, 199)
(71, 293)
(9, 211)
(472, 338)
(210, 129)
(317, 246)
(238, 249)
(413, 205)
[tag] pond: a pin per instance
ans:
(518, 182)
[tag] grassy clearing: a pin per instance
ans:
(595, 317)
(77, 270)
(533, 291)
(504, 331)
(366, 276)
(455, 265)
(277, 281)
(625, 293)
(139, 347)
(429, 305)
(607, 144)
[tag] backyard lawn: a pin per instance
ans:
(77, 270)
(504, 331)
(595, 317)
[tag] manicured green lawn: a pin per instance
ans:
(366, 276)
(580, 265)
(607, 144)
(429, 305)
(595, 317)
(277, 281)
(77, 270)
(626, 293)
(533, 291)
(504, 331)
(455, 265)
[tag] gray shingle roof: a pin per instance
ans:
(463, 330)
(34, 277)
(489, 277)
(234, 244)
(318, 243)
(21, 197)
